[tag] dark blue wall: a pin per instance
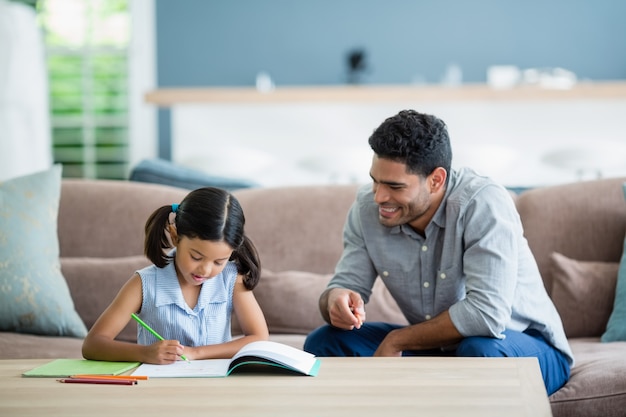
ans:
(227, 42)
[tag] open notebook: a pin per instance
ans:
(264, 353)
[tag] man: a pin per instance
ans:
(449, 246)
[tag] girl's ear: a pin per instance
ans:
(171, 228)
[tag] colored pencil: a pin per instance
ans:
(127, 377)
(155, 334)
(97, 381)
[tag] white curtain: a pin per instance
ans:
(25, 138)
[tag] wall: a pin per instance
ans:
(227, 43)
(219, 42)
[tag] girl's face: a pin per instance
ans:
(198, 260)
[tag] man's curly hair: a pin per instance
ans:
(418, 140)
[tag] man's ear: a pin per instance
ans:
(171, 228)
(437, 179)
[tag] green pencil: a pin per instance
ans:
(155, 334)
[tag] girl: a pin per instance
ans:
(188, 294)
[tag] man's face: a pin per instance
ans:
(401, 197)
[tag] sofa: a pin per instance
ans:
(576, 232)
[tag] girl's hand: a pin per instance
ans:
(164, 352)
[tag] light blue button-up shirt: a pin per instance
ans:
(164, 309)
(474, 261)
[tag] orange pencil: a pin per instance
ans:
(127, 377)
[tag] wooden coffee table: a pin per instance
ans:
(361, 387)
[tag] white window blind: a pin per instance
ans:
(87, 44)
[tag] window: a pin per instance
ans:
(87, 45)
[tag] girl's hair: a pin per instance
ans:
(207, 213)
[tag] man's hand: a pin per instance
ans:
(344, 308)
(387, 347)
(430, 334)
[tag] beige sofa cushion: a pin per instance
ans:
(597, 386)
(583, 294)
(582, 220)
(29, 346)
(297, 228)
(94, 282)
(106, 218)
(289, 301)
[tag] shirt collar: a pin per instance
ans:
(168, 290)
(439, 219)
(167, 287)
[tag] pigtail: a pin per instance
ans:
(157, 239)
(207, 213)
(248, 262)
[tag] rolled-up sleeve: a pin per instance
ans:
(490, 229)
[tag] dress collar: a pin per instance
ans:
(168, 290)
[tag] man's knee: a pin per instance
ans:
(331, 341)
(316, 341)
(481, 347)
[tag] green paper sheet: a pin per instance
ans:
(63, 368)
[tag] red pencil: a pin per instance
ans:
(97, 381)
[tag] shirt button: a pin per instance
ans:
(442, 275)
(424, 248)
(385, 273)
(427, 317)
(426, 284)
